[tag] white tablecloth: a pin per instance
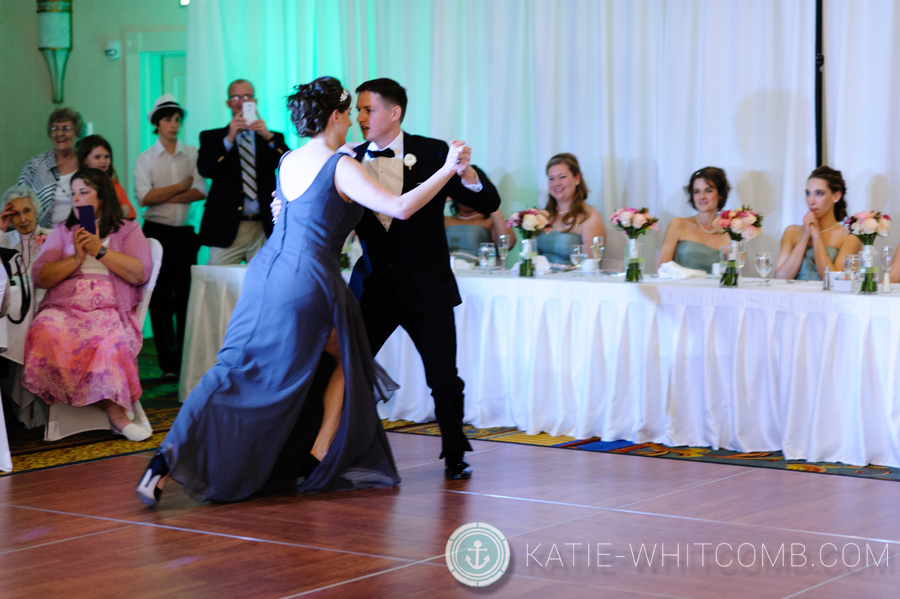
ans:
(787, 367)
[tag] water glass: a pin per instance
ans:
(578, 256)
(764, 266)
(851, 269)
(487, 256)
(598, 245)
(503, 249)
(887, 258)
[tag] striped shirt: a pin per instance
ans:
(41, 174)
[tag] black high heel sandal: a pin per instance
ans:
(147, 490)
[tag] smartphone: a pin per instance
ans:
(249, 109)
(87, 219)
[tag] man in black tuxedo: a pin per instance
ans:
(241, 159)
(404, 277)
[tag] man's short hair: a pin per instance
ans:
(236, 81)
(164, 113)
(390, 91)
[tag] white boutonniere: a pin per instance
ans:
(409, 160)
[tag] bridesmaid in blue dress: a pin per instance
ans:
(574, 221)
(296, 316)
(821, 241)
(693, 242)
(467, 229)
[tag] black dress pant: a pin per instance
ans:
(434, 335)
(168, 304)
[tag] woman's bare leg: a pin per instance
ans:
(115, 413)
(333, 401)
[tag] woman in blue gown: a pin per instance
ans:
(259, 410)
(574, 221)
(821, 241)
(694, 242)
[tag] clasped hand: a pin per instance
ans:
(238, 124)
(459, 156)
(86, 243)
(811, 225)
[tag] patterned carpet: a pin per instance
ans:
(160, 402)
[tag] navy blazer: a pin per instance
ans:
(225, 200)
(413, 254)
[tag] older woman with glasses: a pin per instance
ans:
(50, 174)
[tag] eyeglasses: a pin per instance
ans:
(58, 128)
(245, 98)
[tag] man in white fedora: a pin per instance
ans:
(166, 181)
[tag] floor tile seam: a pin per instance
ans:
(358, 578)
(214, 534)
(99, 532)
(836, 578)
(599, 586)
(600, 509)
(685, 489)
(439, 460)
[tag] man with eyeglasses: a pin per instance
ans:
(240, 159)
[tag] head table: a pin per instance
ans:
(785, 367)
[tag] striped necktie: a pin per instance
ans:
(248, 170)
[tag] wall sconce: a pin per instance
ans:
(55, 40)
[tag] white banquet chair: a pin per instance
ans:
(64, 420)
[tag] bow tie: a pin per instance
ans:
(388, 153)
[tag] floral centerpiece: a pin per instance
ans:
(634, 222)
(530, 223)
(867, 226)
(741, 225)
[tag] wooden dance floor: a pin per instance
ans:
(574, 522)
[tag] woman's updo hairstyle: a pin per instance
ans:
(715, 177)
(835, 182)
(312, 104)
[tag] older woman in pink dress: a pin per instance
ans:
(82, 346)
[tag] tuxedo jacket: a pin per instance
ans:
(413, 254)
(225, 199)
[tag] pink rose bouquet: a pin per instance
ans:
(868, 225)
(530, 222)
(634, 222)
(741, 225)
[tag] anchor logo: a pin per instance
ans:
(477, 554)
(477, 549)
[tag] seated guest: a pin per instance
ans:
(83, 344)
(19, 209)
(95, 152)
(574, 221)
(467, 229)
(821, 241)
(895, 266)
(49, 174)
(694, 242)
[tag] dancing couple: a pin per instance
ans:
(294, 391)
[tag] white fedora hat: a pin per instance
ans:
(165, 101)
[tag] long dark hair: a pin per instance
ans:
(110, 211)
(87, 145)
(577, 212)
(835, 182)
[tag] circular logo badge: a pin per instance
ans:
(477, 554)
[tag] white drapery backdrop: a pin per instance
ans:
(862, 87)
(644, 92)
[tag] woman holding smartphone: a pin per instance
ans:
(82, 346)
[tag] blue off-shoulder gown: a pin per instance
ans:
(238, 421)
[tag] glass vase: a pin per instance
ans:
(732, 263)
(529, 251)
(868, 270)
(634, 261)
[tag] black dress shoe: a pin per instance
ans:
(457, 468)
(147, 490)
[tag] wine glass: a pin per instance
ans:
(578, 256)
(764, 266)
(851, 268)
(887, 258)
(598, 245)
(503, 249)
(487, 256)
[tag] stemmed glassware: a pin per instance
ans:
(851, 269)
(887, 258)
(503, 249)
(578, 256)
(764, 266)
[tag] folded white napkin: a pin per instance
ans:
(672, 270)
(458, 264)
(541, 265)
